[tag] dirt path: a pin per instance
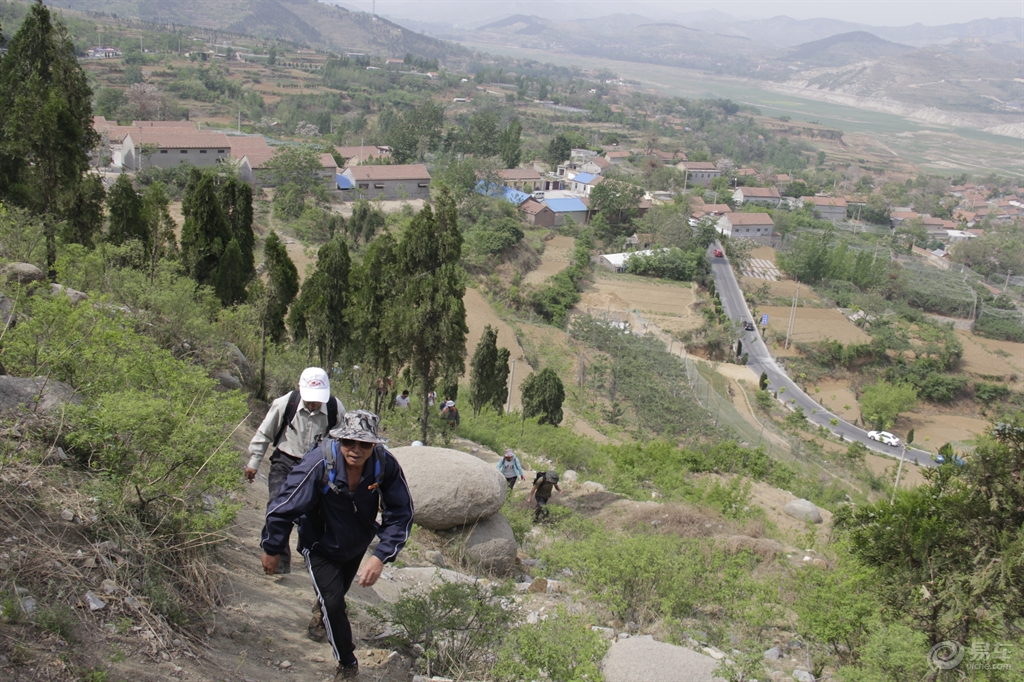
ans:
(557, 252)
(479, 314)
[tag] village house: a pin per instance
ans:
(522, 179)
(699, 172)
(596, 165)
(755, 226)
(571, 208)
(616, 262)
(103, 53)
(496, 191)
(639, 240)
(763, 196)
(538, 214)
(618, 156)
(169, 147)
(955, 236)
(583, 183)
(826, 208)
(407, 181)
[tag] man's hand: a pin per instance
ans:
(250, 474)
(270, 563)
(370, 571)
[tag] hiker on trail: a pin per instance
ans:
(336, 491)
(402, 400)
(450, 414)
(510, 468)
(541, 492)
(292, 426)
(431, 398)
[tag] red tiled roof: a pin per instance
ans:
(749, 219)
(824, 201)
(760, 193)
(699, 165)
(519, 174)
(175, 138)
(165, 124)
(412, 171)
(533, 207)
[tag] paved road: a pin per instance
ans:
(760, 360)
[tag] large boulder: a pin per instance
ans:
(450, 488)
(640, 658)
(6, 312)
(73, 295)
(803, 510)
(238, 360)
(22, 273)
(40, 395)
(490, 545)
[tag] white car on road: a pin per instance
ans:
(884, 437)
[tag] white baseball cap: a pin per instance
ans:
(314, 386)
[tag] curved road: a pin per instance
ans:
(760, 360)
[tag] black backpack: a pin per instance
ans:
(293, 406)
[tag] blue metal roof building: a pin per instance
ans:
(570, 205)
(343, 182)
(583, 178)
(497, 191)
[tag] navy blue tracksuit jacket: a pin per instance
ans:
(340, 524)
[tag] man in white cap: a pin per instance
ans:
(293, 425)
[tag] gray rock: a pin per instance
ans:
(73, 295)
(604, 633)
(491, 545)
(227, 380)
(592, 487)
(40, 395)
(635, 658)
(93, 602)
(773, 654)
(803, 510)
(6, 312)
(569, 476)
(109, 586)
(436, 558)
(802, 676)
(67, 515)
(22, 273)
(28, 604)
(239, 361)
(450, 488)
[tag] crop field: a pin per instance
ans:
(666, 304)
(557, 252)
(812, 324)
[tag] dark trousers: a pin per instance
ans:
(331, 580)
(542, 508)
(511, 482)
(280, 466)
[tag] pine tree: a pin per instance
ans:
(46, 131)
(543, 395)
(226, 283)
(125, 207)
(509, 144)
(236, 200)
(488, 373)
(159, 226)
(282, 283)
(320, 314)
(376, 285)
(205, 233)
(430, 317)
(83, 211)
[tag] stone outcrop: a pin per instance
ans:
(803, 510)
(40, 395)
(450, 488)
(641, 658)
(490, 545)
(21, 273)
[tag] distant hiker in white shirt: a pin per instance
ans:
(292, 426)
(402, 400)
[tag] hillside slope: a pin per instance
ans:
(302, 21)
(845, 48)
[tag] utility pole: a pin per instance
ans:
(239, 120)
(511, 378)
(792, 315)
(899, 471)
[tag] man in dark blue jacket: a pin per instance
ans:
(337, 490)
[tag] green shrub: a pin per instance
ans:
(562, 648)
(57, 619)
(988, 393)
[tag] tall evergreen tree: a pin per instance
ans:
(376, 285)
(320, 314)
(159, 225)
(83, 211)
(46, 131)
(543, 395)
(205, 233)
(282, 283)
(125, 207)
(236, 200)
(430, 317)
(229, 287)
(510, 146)
(488, 373)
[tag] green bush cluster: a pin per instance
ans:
(563, 648)
(553, 300)
(672, 263)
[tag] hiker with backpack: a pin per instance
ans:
(336, 492)
(450, 414)
(292, 426)
(544, 482)
(510, 468)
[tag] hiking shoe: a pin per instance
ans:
(316, 630)
(284, 568)
(347, 671)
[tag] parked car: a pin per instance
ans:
(718, 253)
(884, 437)
(748, 325)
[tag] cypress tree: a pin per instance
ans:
(488, 371)
(430, 317)
(205, 233)
(229, 286)
(282, 283)
(83, 212)
(376, 285)
(543, 394)
(320, 313)
(46, 131)
(125, 207)
(236, 200)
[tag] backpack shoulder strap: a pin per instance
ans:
(332, 413)
(329, 449)
(289, 415)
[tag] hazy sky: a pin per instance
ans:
(873, 12)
